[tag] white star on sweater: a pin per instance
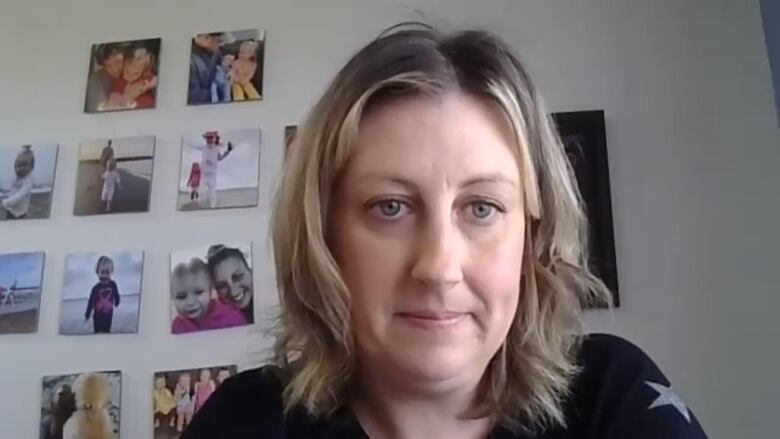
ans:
(666, 396)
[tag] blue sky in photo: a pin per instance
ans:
(26, 268)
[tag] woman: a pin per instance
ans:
(232, 277)
(428, 241)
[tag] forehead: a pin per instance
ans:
(421, 137)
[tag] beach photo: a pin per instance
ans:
(212, 288)
(101, 293)
(219, 169)
(226, 67)
(21, 275)
(123, 76)
(114, 175)
(83, 405)
(179, 394)
(27, 180)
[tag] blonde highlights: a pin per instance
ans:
(530, 376)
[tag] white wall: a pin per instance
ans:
(693, 143)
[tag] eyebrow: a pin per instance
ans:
(496, 177)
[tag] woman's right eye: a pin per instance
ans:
(390, 208)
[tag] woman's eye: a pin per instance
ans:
(389, 208)
(483, 210)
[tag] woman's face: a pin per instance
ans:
(205, 375)
(233, 281)
(428, 228)
(23, 166)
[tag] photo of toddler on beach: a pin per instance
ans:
(101, 293)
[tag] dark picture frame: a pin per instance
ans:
(584, 137)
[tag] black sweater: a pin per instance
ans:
(620, 394)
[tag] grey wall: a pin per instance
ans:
(693, 143)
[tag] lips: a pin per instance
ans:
(432, 319)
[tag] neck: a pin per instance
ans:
(392, 408)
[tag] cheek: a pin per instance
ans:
(495, 271)
(372, 265)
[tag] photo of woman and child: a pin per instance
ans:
(101, 293)
(114, 175)
(226, 67)
(26, 181)
(79, 406)
(21, 276)
(212, 288)
(179, 394)
(123, 76)
(219, 169)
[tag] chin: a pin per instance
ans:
(437, 364)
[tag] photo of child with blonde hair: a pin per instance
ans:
(194, 301)
(179, 394)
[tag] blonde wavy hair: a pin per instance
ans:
(530, 376)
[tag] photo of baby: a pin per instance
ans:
(85, 405)
(101, 293)
(114, 175)
(20, 292)
(226, 67)
(177, 395)
(123, 76)
(27, 181)
(212, 288)
(219, 169)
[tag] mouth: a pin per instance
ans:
(432, 319)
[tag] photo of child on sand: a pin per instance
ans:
(85, 405)
(179, 394)
(101, 293)
(26, 181)
(212, 288)
(219, 169)
(20, 292)
(114, 175)
(226, 67)
(123, 76)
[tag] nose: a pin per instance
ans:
(437, 262)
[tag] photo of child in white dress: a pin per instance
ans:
(27, 181)
(114, 175)
(101, 293)
(219, 169)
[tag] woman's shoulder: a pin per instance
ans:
(248, 404)
(621, 392)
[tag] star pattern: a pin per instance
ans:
(666, 396)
